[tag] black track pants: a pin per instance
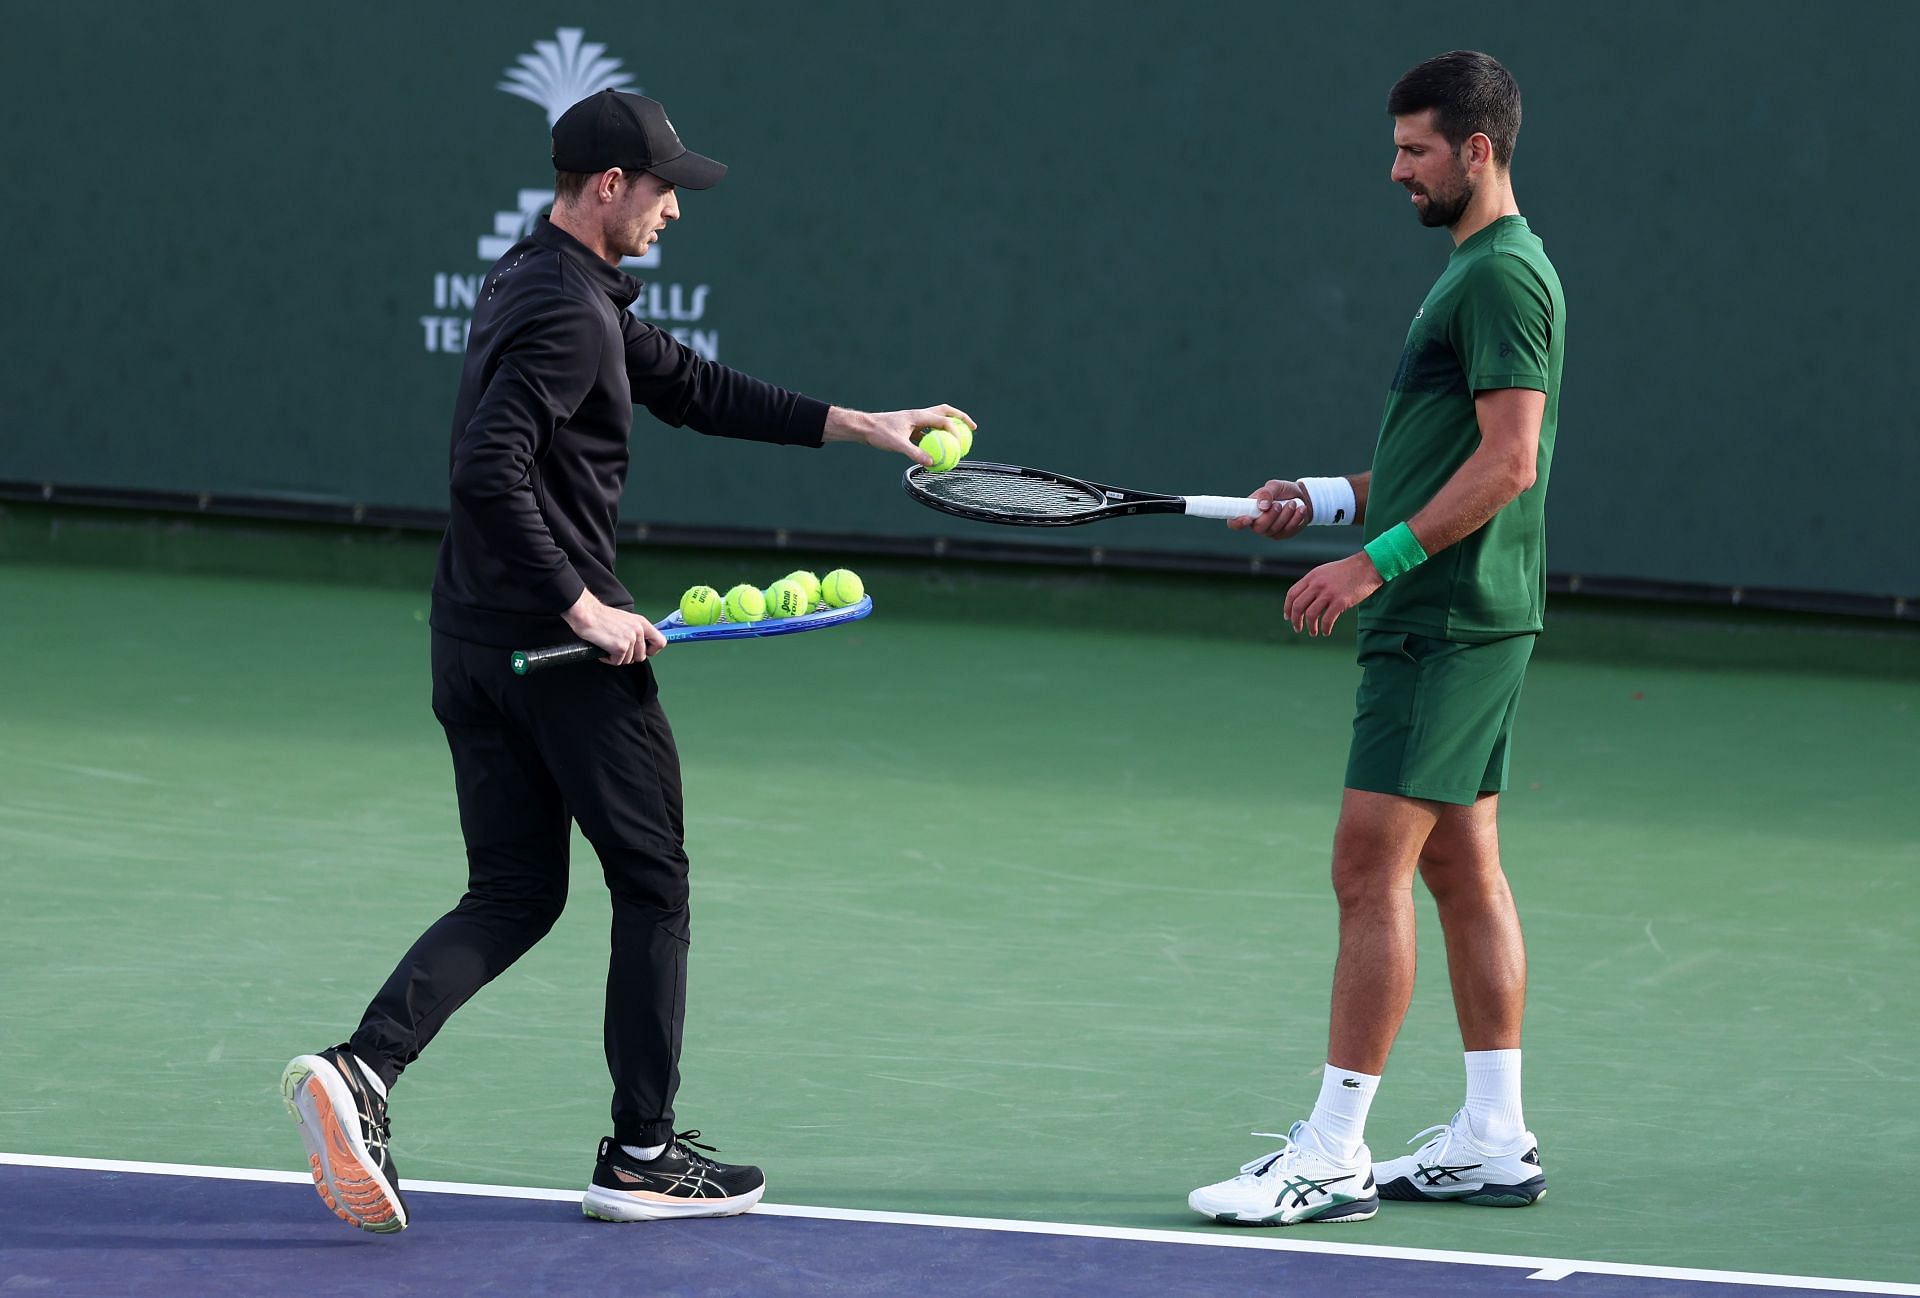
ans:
(587, 743)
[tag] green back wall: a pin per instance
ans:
(1152, 244)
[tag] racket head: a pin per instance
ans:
(676, 630)
(675, 627)
(1006, 493)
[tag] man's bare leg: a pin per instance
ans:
(1325, 1172)
(1375, 851)
(1486, 956)
(1489, 1157)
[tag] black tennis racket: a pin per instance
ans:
(1022, 497)
(675, 629)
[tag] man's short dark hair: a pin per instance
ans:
(1470, 94)
(569, 185)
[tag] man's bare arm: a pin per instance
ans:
(1499, 469)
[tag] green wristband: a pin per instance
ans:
(1395, 551)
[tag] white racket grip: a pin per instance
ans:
(1222, 506)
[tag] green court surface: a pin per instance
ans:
(993, 915)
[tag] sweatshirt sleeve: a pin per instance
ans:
(542, 377)
(682, 388)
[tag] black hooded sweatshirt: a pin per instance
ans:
(555, 365)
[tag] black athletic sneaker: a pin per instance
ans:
(344, 1122)
(679, 1183)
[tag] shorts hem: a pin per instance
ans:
(1427, 793)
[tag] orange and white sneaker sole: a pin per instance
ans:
(345, 1172)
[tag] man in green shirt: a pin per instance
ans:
(1450, 588)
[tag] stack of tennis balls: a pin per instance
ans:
(947, 446)
(797, 593)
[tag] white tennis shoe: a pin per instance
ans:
(1294, 1184)
(1455, 1166)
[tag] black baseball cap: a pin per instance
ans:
(616, 129)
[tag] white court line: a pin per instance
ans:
(1541, 1268)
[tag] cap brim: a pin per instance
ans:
(690, 171)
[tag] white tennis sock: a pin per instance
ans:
(1340, 1115)
(645, 1153)
(1493, 1096)
(373, 1078)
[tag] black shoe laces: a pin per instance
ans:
(688, 1141)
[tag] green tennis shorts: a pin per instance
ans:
(1434, 718)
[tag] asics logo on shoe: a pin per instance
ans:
(1302, 1186)
(371, 1110)
(1438, 1174)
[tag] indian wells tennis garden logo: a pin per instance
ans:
(556, 75)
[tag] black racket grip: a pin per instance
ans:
(555, 655)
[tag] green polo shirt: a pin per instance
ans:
(1494, 319)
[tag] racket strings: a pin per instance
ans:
(1008, 493)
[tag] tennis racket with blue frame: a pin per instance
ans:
(675, 629)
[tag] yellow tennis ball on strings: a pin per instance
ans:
(807, 582)
(964, 435)
(700, 606)
(942, 448)
(842, 587)
(746, 604)
(786, 599)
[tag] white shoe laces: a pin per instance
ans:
(1288, 1144)
(1442, 1131)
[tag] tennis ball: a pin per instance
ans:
(786, 598)
(746, 604)
(958, 427)
(842, 587)
(700, 606)
(807, 582)
(943, 447)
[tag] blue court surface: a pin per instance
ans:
(85, 1227)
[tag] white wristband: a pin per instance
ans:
(1332, 500)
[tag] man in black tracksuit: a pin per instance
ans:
(555, 364)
